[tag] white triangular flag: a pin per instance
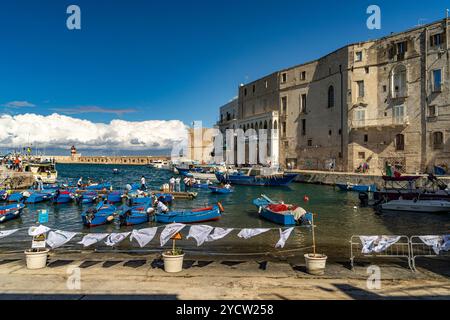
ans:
(143, 236)
(249, 233)
(284, 235)
(58, 238)
(38, 230)
(116, 238)
(218, 233)
(169, 231)
(7, 233)
(92, 238)
(199, 233)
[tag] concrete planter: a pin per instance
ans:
(315, 264)
(173, 263)
(36, 260)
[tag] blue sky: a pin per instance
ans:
(143, 60)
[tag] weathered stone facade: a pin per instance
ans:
(373, 102)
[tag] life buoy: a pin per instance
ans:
(221, 208)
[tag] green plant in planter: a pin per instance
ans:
(175, 251)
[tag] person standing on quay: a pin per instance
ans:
(178, 184)
(143, 184)
(172, 184)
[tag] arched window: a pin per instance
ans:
(256, 126)
(438, 140)
(399, 142)
(398, 82)
(275, 125)
(330, 97)
(265, 124)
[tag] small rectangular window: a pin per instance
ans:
(361, 155)
(303, 75)
(366, 138)
(303, 127)
(309, 142)
(360, 89)
(367, 69)
(436, 40)
(402, 47)
(437, 80)
(284, 105)
(283, 77)
(303, 103)
(432, 111)
(359, 56)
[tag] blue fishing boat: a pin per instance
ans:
(138, 213)
(356, 187)
(164, 197)
(220, 190)
(191, 216)
(89, 197)
(62, 197)
(200, 185)
(99, 215)
(114, 197)
(15, 197)
(280, 213)
(10, 212)
(37, 197)
(256, 177)
(99, 186)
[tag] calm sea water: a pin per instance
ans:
(337, 220)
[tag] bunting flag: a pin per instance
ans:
(284, 235)
(58, 238)
(218, 233)
(250, 233)
(169, 231)
(116, 238)
(143, 236)
(7, 233)
(38, 230)
(92, 238)
(199, 233)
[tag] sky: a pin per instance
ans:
(140, 61)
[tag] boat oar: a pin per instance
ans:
(268, 199)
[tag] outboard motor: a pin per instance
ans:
(363, 199)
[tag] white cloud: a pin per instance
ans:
(60, 131)
(19, 104)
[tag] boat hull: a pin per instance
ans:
(356, 188)
(425, 206)
(220, 190)
(269, 181)
(10, 212)
(211, 214)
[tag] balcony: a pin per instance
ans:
(379, 122)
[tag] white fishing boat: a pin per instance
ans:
(44, 170)
(160, 165)
(430, 206)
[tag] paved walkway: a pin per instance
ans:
(141, 277)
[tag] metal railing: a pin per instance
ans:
(420, 249)
(400, 249)
(379, 122)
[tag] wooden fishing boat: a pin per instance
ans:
(280, 213)
(99, 215)
(114, 197)
(211, 213)
(37, 197)
(62, 197)
(89, 197)
(138, 213)
(10, 212)
(15, 197)
(220, 190)
(356, 187)
(99, 186)
(256, 177)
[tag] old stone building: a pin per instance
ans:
(373, 102)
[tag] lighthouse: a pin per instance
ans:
(73, 152)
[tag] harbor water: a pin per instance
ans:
(338, 216)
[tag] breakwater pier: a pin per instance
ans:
(116, 160)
